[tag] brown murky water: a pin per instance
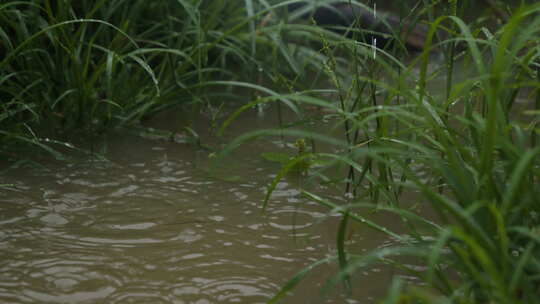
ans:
(150, 225)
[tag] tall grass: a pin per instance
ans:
(468, 150)
(71, 68)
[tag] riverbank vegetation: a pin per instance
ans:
(71, 69)
(454, 125)
(464, 149)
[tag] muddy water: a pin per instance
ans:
(151, 225)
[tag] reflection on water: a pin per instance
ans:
(151, 227)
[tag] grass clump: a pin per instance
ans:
(466, 147)
(73, 68)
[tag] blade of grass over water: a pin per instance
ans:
(289, 286)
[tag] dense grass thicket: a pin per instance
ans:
(72, 68)
(467, 148)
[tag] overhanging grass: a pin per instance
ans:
(470, 153)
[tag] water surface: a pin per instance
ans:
(152, 225)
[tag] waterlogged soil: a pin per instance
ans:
(152, 224)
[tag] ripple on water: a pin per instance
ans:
(152, 232)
